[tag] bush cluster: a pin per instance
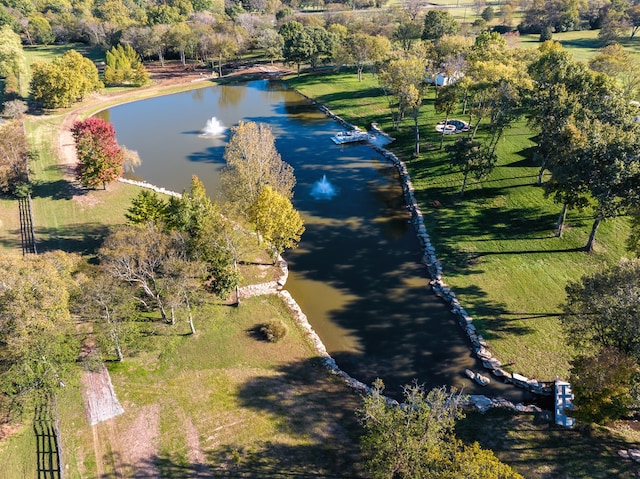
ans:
(273, 331)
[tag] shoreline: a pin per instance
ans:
(479, 402)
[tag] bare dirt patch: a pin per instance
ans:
(100, 399)
(138, 442)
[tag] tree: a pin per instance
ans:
(271, 43)
(469, 156)
(136, 255)
(407, 33)
(124, 66)
(39, 30)
(180, 37)
(222, 46)
(633, 241)
(253, 162)
(14, 155)
(602, 384)
(324, 44)
(602, 310)
(147, 207)
(606, 156)
(14, 108)
(100, 159)
(64, 80)
(183, 281)
(299, 46)
(633, 14)
(275, 219)
(611, 59)
(405, 80)
(12, 60)
(438, 23)
(447, 99)
(109, 303)
(362, 49)
(416, 439)
(36, 331)
(202, 223)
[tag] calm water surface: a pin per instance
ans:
(356, 273)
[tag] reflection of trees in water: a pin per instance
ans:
(104, 115)
(301, 110)
(231, 96)
(198, 94)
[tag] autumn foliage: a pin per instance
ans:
(100, 158)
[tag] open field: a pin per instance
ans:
(223, 403)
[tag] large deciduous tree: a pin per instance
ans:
(203, 224)
(603, 309)
(604, 164)
(252, 163)
(12, 59)
(64, 80)
(13, 156)
(438, 23)
(362, 50)
(470, 157)
(601, 318)
(109, 304)
(404, 79)
(299, 46)
(136, 255)
(275, 219)
(100, 159)
(416, 439)
(36, 331)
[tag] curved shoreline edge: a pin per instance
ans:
(434, 267)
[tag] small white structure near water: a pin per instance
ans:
(563, 401)
(442, 79)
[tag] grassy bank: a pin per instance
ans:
(497, 243)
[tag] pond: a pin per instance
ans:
(357, 272)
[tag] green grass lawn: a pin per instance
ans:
(239, 405)
(497, 244)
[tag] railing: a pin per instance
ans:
(27, 233)
(48, 441)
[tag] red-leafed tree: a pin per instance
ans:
(100, 159)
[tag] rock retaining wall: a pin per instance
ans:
(149, 186)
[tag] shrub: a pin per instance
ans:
(546, 34)
(273, 331)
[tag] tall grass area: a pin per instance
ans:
(496, 243)
(223, 403)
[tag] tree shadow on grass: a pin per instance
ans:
(84, 238)
(269, 461)
(56, 190)
(311, 409)
(538, 449)
(308, 402)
